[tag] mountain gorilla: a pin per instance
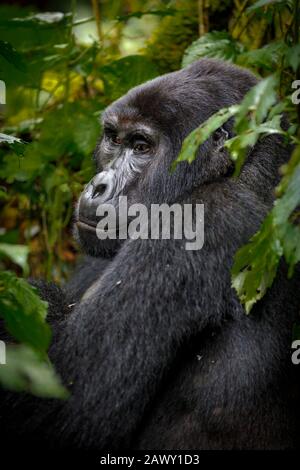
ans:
(157, 351)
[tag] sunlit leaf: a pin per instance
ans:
(24, 312)
(268, 57)
(17, 253)
(9, 139)
(140, 14)
(239, 144)
(26, 371)
(256, 263)
(264, 3)
(16, 144)
(199, 135)
(256, 103)
(217, 44)
(41, 19)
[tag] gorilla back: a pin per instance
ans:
(158, 352)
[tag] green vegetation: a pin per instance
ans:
(57, 85)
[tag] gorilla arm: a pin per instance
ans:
(119, 342)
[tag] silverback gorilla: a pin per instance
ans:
(157, 351)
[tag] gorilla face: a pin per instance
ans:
(143, 133)
(127, 148)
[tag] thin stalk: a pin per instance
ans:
(97, 15)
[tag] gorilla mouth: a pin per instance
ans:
(86, 222)
(90, 226)
(84, 225)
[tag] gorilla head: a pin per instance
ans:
(143, 133)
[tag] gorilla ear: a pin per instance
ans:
(220, 136)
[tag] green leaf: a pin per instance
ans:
(217, 44)
(9, 139)
(26, 371)
(249, 117)
(264, 3)
(17, 253)
(45, 20)
(249, 124)
(256, 103)
(239, 144)
(86, 133)
(288, 170)
(286, 211)
(16, 144)
(68, 130)
(140, 14)
(15, 168)
(199, 135)
(293, 57)
(34, 34)
(296, 332)
(11, 55)
(24, 312)
(121, 75)
(268, 57)
(255, 265)
(3, 195)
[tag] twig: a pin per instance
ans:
(200, 18)
(96, 11)
(240, 12)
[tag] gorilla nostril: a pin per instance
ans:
(99, 190)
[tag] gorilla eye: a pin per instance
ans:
(112, 136)
(141, 147)
(115, 139)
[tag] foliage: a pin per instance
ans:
(56, 88)
(17, 253)
(25, 371)
(217, 44)
(174, 33)
(260, 114)
(53, 105)
(24, 314)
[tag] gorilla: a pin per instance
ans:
(150, 338)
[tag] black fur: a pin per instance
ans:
(159, 354)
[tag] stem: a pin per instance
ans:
(248, 21)
(200, 18)
(83, 21)
(296, 41)
(296, 21)
(237, 19)
(48, 248)
(96, 11)
(203, 6)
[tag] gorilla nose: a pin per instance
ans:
(102, 185)
(98, 191)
